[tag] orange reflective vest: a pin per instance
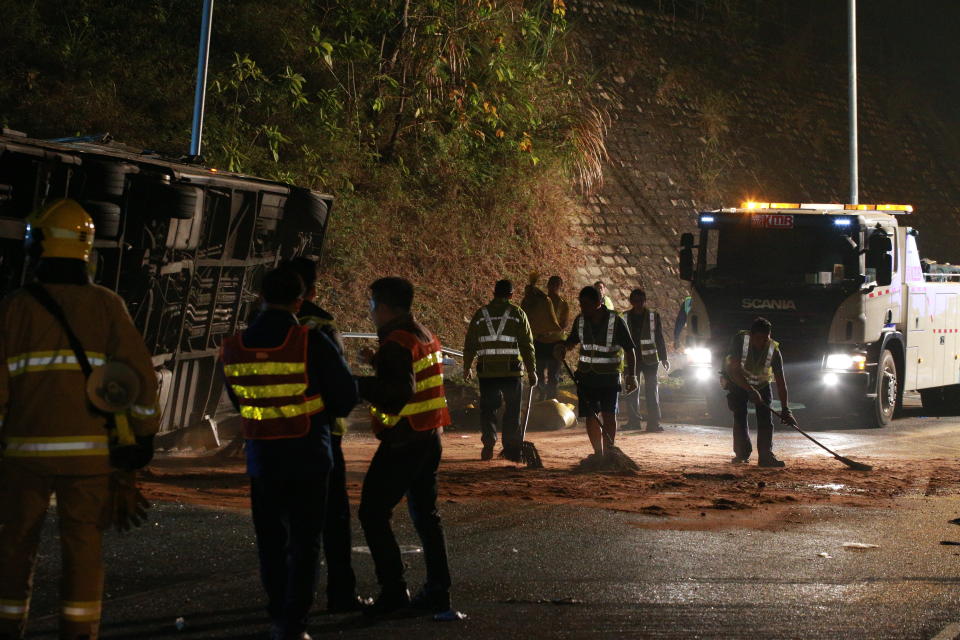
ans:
(270, 386)
(427, 409)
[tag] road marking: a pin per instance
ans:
(950, 632)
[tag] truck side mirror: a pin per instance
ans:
(686, 256)
(879, 258)
(686, 264)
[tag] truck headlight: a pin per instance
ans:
(845, 362)
(699, 356)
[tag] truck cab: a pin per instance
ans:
(858, 315)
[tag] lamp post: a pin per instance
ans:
(200, 95)
(854, 169)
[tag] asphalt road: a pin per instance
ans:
(554, 571)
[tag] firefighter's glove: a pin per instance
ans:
(133, 456)
(128, 507)
(786, 417)
(755, 396)
(533, 379)
(630, 384)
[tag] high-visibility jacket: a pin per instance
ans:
(499, 336)
(46, 420)
(599, 354)
(427, 409)
(757, 366)
(646, 336)
(270, 386)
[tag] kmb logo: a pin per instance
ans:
(772, 221)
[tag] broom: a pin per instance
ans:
(853, 464)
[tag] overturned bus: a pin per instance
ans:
(184, 245)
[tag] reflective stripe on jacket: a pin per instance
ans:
(646, 343)
(45, 416)
(427, 409)
(758, 371)
(596, 357)
(270, 386)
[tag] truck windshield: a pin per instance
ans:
(818, 254)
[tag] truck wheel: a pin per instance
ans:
(106, 217)
(878, 411)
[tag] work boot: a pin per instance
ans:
(654, 428)
(387, 602)
(740, 460)
(487, 452)
(434, 602)
(277, 632)
(346, 605)
(771, 461)
(512, 453)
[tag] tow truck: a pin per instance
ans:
(185, 246)
(859, 316)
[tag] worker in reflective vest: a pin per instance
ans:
(408, 412)
(647, 333)
(288, 383)
(752, 363)
(604, 341)
(51, 439)
(499, 337)
(337, 546)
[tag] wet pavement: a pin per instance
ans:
(529, 570)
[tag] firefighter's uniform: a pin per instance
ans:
(52, 442)
(500, 338)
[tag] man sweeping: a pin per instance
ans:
(604, 341)
(752, 363)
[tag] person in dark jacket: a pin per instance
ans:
(287, 426)
(408, 413)
(647, 332)
(337, 546)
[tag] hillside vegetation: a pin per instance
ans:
(455, 134)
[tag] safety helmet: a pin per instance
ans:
(62, 229)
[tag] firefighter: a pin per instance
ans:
(288, 383)
(547, 331)
(752, 363)
(500, 337)
(604, 341)
(408, 411)
(337, 547)
(53, 441)
(647, 333)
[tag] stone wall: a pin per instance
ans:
(699, 120)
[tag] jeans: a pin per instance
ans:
(737, 400)
(288, 512)
(652, 394)
(341, 580)
(493, 393)
(397, 469)
(548, 369)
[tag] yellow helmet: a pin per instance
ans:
(66, 230)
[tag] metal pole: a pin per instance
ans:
(199, 97)
(854, 169)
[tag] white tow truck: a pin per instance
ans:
(859, 316)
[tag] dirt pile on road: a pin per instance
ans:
(684, 479)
